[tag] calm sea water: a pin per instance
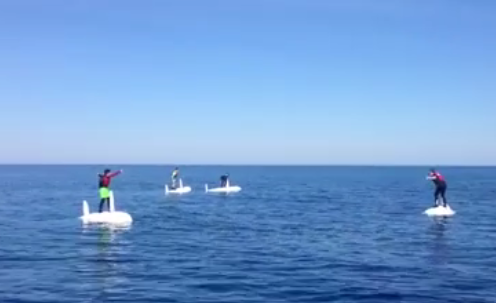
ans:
(293, 234)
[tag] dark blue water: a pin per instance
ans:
(294, 234)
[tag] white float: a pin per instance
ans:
(107, 217)
(439, 211)
(179, 190)
(227, 189)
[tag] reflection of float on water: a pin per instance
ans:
(103, 258)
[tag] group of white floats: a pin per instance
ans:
(186, 189)
(114, 217)
(119, 218)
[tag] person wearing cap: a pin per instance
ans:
(103, 187)
(441, 186)
(223, 180)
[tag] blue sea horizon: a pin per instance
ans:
(293, 234)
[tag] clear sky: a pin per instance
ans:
(248, 81)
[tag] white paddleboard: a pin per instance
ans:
(227, 189)
(179, 190)
(111, 217)
(440, 211)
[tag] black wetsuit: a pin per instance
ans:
(223, 181)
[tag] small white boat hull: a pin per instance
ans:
(111, 217)
(180, 190)
(440, 211)
(117, 217)
(227, 189)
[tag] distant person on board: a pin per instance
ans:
(104, 184)
(441, 186)
(223, 180)
(174, 177)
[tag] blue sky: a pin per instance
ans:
(248, 82)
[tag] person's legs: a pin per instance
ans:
(104, 197)
(102, 202)
(443, 195)
(437, 193)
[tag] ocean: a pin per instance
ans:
(293, 234)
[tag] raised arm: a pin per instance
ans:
(115, 173)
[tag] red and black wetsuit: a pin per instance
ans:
(441, 186)
(105, 179)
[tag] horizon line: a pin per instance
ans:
(253, 165)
